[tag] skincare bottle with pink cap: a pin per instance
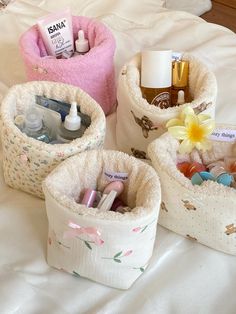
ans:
(156, 77)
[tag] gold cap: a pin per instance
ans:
(180, 71)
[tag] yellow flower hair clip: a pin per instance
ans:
(192, 130)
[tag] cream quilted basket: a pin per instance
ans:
(205, 213)
(108, 247)
(139, 123)
(26, 161)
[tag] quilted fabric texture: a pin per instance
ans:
(26, 161)
(148, 122)
(92, 72)
(124, 243)
(205, 213)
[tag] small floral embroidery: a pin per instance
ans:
(141, 229)
(40, 70)
(60, 154)
(118, 256)
(24, 159)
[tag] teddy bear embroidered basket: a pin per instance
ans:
(105, 246)
(92, 72)
(205, 213)
(139, 123)
(27, 161)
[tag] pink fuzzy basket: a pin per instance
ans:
(92, 72)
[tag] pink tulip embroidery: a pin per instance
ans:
(90, 232)
(141, 229)
(118, 256)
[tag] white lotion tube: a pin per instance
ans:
(56, 31)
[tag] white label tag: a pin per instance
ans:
(223, 135)
(116, 176)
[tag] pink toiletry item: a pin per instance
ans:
(89, 197)
(93, 72)
(117, 186)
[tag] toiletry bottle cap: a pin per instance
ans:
(180, 73)
(82, 44)
(72, 120)
(176, 55)
(181, 99)
(156, 69)
(33, 119)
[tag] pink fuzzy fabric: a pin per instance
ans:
(92, 72)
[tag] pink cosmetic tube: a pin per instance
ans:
(89, 197)
(56, 32)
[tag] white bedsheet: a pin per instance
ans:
(183, 276)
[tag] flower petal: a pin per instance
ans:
(187, 110)
(191, 119)
(174, 122)
(186, 147)
(178, 132)
(202, 117)
(204, 145)
(209, 126)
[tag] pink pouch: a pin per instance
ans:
(92, 72)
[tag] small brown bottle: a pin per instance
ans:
(156, 71)
(180, 76)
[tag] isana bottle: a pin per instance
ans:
(156, 72)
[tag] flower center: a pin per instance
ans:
(196, 133)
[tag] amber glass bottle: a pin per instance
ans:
(156, 71)
(180, 77)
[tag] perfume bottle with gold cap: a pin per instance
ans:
(156, 71)
(180, 77)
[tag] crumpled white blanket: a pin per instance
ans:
(197, 7)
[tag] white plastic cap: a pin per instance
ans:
(181, 99)
(33, 119)
(81, 44)
(176, 56)
(156, 69)
(72, 120)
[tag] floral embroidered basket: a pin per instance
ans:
(139, 123)
(26, 161)
(205, 213)
(108, 247)
(93, 72)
